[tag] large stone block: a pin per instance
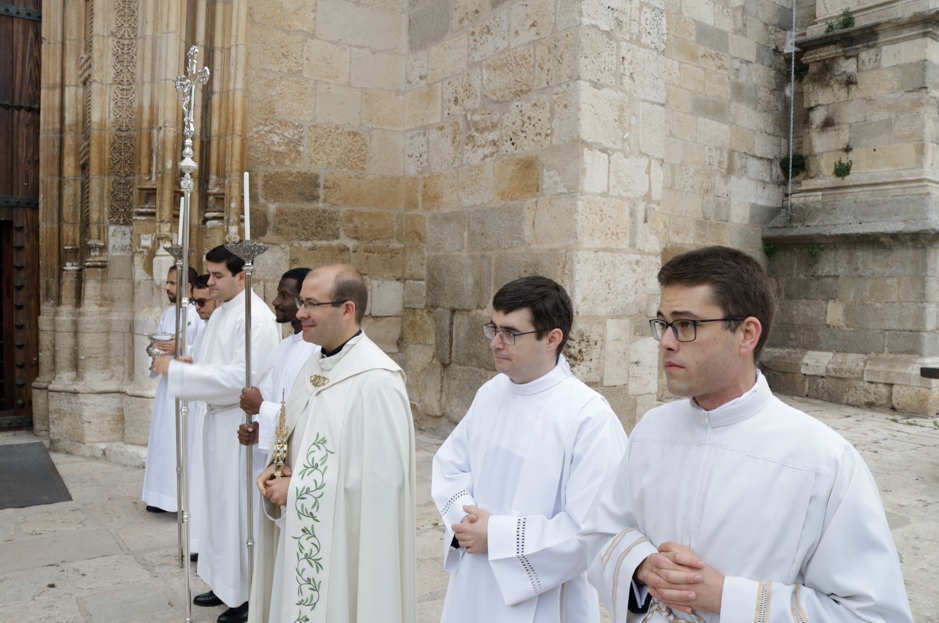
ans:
(320, 255)
(483, 136)
(414, 294)
(596, 60)
(428, 24)
(603, 117)
(285, 15)
(138, 411)
(511, 266)
(377, 70)
(462, 93)
(386, 154)
(613, 284)
(425, 385)
(458, 282)
(643, 73)
(447, 59)
(851, 392)
(446, 232)
(386, 297)
(383, 109)
(517, 179)
(358, 25)
(377, 260)
(629, 176)
(918, 400)
(616, 362)
(444, 146)
(555, 222)
(336, 148)
(385, 332)
(415, 228)
(526, 126)
(460, 386)
(625, 405)
(556, 59)
(415, 153)
(276, 50)
(274, 142)
(470, 346)
(846, 366)
(530, 21)
(439, 192)
(496, 229)
(296, 98)
(489, 38)
(475, 184)
(339, 105)
(327, 61)
(290, 186)
(584, 348)
(305, 223)
(85, 418)
(423, 106)
(603, 222)
(381, 193)
(368, 225)
(509, 75)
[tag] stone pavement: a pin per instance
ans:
(101, 558)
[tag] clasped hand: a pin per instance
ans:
(682, 581)
(275, 489)
(472, 533)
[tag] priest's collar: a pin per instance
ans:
(238, 299)
(740, 408)
(326, 354)
(560, 372)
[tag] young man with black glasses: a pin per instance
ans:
(514, 481)
(732, 506)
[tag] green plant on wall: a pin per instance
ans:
(813, 250)
(842, 168)
(769, 249)
(845, 21)
(798, 165)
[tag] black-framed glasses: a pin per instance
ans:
(684, 330)
(200, 302)
(309, 305)
(508, 337)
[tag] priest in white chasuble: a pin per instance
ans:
(517, 477)
(732, 506)
(337, 543)
(215, 374)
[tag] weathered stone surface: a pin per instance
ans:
(305, 223)
(613, 284)
(508, 76)
(439, 192)
(462, 93)
(443, 335)
(517, 179)
(447, 59)
(483, 136)
(457, 282)
(460, 386)
(381, 193)
(338, 105)
(327, 61)
(276, 50)
(290, 186)
(444, 146)
(428, 24)
(500, 228)
(386, 297)
(296, 98)
(385, 332)
(475, 184)
(319, 255)
(918, 400)
(377, 260)
(414, 294)
(847, 391)
(368, 225)
(584, 349)
(470, 346)
(382, 109)
(377, 70)
(511, 266)
(274, 142)
(336, 148)
(423, 106)
(526, 126)
(446, 232)
(355, 24)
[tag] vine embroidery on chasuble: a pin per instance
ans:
(307, 505)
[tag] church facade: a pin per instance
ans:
(445, 147)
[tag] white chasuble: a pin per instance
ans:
(346, 538)
(159, 476)
(532, 455)
(768, 496)
(217, 377)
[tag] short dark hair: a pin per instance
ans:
(349, 285)
(232, 262)
(193, 275)
(546, 299)
(297, 275)
(202, 282)
(740, 286)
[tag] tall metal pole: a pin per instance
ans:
(247, 251)
(187, 85)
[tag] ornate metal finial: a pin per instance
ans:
(280, 440)
(187, 85)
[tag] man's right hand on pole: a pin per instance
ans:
(248, 434)
(251, 400)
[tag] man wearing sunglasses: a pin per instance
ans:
(514, 481)
(202, 298)
(731, 505)
(159, 477)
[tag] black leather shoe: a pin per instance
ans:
(235, 615)
(207, 600)
(154, 509)
(194, 557)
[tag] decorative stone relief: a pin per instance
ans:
(123, 109)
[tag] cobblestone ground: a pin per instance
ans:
(101, 558)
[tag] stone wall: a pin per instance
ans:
(444, 147)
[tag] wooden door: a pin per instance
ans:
(19, 208)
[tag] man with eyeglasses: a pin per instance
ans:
(336, 542)
(514, 481)
(733, 506)
(159, 476)
(215, 374)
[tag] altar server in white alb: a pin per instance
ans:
(516, 478)
(732, 506)
(159, 476)
(336, 544)
(216, 376)
(293, 351)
